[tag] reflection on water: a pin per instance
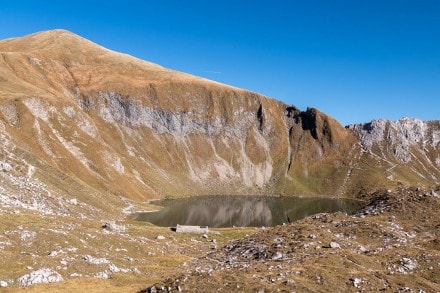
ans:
(242, 211)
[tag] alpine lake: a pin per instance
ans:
(242, 211)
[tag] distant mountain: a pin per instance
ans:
(77, 118)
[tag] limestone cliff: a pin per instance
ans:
(81, 119)
(402, 152)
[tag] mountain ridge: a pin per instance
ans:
(120, 125)
(67, 50)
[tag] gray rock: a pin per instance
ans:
(361, 248)
(40, 276)
(52, 253)
(102, 275)
(114, 269)
(94, 260)
(5, 166)
(408, 264)
(112, 226)
(334, 245)
(278, 255)
(400, 135)
(3, 284)
(356, 282)
(278, 240)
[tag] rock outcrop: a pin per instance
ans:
(407, 151)
(39, 277)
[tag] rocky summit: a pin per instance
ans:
(88, 136)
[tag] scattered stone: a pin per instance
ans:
(334, 245)
(3, 284)
(278, 240)
(94, 260)
(40, 276)
(73, 201)
(114, 269)
(121, 249)
(112, 226)
(205, 236)
(52, 253)
(102, 275)
(27, 235)
(356, 282)
(160, 237)
(408, 263)
(5, 167)
(361, 248)
(289, 282)
(278, 255)
(312, 236)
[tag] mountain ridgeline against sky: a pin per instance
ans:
(78, 118)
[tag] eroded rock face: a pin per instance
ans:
(399, 136)
(406, 152)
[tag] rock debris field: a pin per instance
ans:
(391, 245)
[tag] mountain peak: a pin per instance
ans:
(50, 61)
(54, 34)
(48, 41)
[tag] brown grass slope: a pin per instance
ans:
(120, 125)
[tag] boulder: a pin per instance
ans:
(112, 226)
(334, 245)
(40, 276)
(5, 166)
(94, 260)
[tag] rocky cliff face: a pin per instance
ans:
(405, 151)
(80, 119)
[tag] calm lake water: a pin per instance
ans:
(242, 211)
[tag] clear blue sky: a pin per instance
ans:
(356, 60)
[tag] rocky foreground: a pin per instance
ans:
(391, 245)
